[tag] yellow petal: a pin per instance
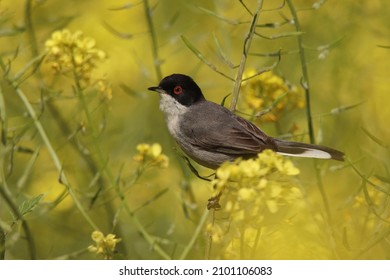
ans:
(246, 194)
(155, 150)
(272, 205)
(97, 236)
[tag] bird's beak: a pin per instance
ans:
(156, 89)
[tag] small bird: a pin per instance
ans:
(210, 134)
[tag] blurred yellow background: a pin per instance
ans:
(347, 55)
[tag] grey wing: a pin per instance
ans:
(227, 133)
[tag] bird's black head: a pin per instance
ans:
(181, 87)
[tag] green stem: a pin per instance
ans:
(195, 235)
(241, 68)
(305, 75)
(63, 125)
(157, 66)
(153, 35)
(18, 217)
(4, 190)
(2, 244)
(373, 242)
(111, 179)
(30, 29)
(306, 86)
(54, 156)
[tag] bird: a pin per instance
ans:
(210, 134)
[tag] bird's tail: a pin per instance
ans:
(307, 150)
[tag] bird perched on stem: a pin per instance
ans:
(210, 134)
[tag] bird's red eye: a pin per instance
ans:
(177, 90)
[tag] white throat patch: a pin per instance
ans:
(173, 111)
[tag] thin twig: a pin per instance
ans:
(30, 29)
(2, 244)
(305, 75)
(241, 68)
(101, 160)
(54, 156)
(306, 86)
(7, 197)
(153, 35)
(377, 238)
(203, 58)
(195, 236)
(157, 65)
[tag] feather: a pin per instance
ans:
(307, 150)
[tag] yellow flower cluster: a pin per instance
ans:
(266, 91)
(266, 163)
(151, 155)
(73, 52)
(105, 245)
(253, 191)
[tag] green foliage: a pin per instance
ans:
(28, 206)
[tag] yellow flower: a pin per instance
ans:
(239, 216)
(155, 150)
(97, 236)
(151, 155)
(162, 161)
(223, 173)
(105, 245)
(72, 52)
(272, 205)
(253, 190)
(359, 201)
(269, 91)
(276, 190)
(143, 148)
(262, 183)
(289, 168)
(249, 168)
(246, 194)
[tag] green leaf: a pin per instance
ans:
(213, 14)
(281, 35)
(383, 178)
(27, 171)
(28, 206)
(272, 106)
(11, 31)
(117, 33)
(383, 46)
(342, 109)
(224, 99)
(155, 197)
(202, 58)
(173, 20)
(375, 139)
(32, 66)
(223, 55)
(339, 110)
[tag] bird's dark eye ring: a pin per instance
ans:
(177, 90)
